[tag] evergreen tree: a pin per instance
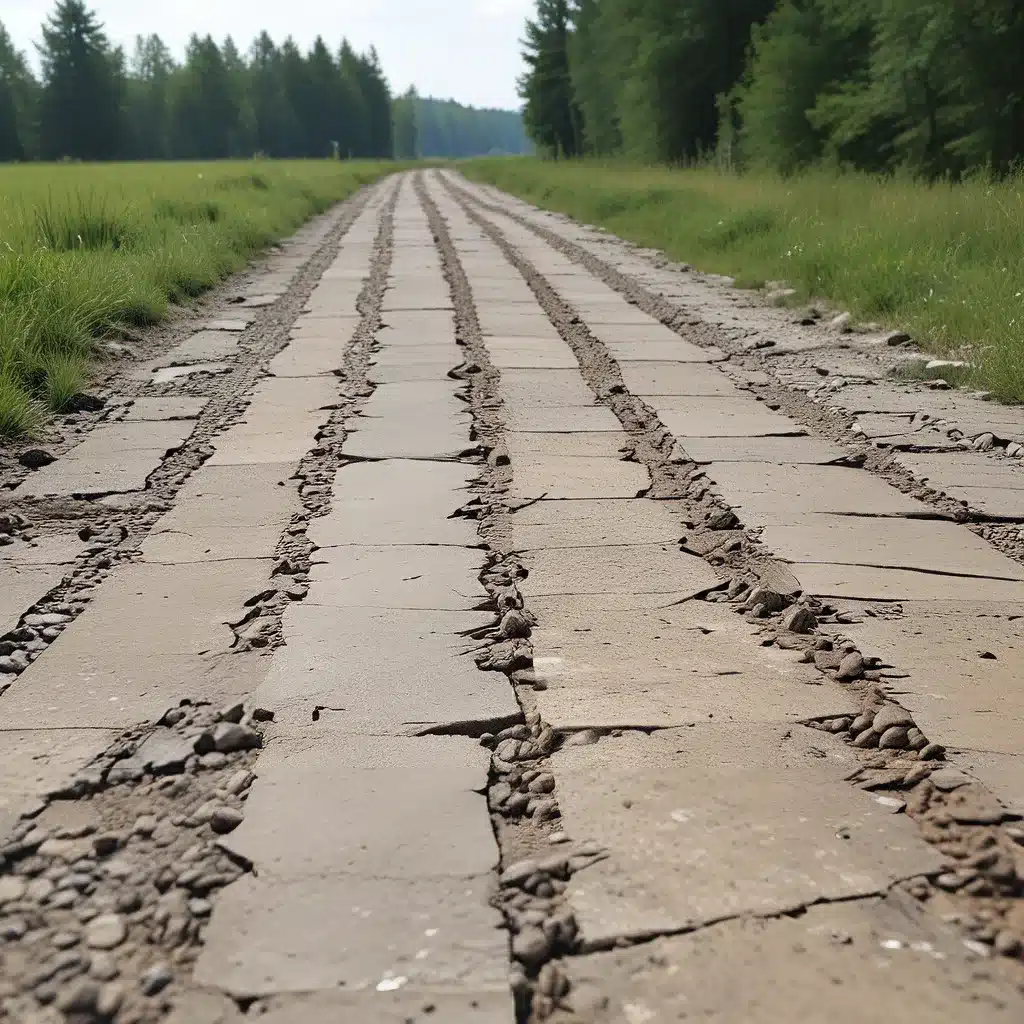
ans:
(80, 114)
(591, 56)
(146, 100)
(274, 120)
(16, 101)
(355, 124)
(204, 111)
(403, 118)
(550, 113)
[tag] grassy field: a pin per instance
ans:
(89, 250)
(944, 262)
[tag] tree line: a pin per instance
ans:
(427, 127)
(933, 86)
(94, 101)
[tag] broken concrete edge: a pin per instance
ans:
(114, 536)
(967, 823)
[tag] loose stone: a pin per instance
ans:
(107, 931)
(225, 819)
(893, 739)
(79, 997)
(531, 946)
(109, 1000)
(851, 667)
(156, 979)
(229, 737)
(103, 967)
(799, 619)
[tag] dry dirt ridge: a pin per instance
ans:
(468, 617)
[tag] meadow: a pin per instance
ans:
(942, 261)
(88, 251)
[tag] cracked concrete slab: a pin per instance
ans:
(140, 646)
(202, 347)
(678, 666)
(544, 388)
(677, 351)
(652, 574)
(55, 549)
(718, 821)
(583, 522)
(765, 493)
(388, 808)
(167, 407)
(530, 353)
(335, 662)
(280, 423)
(992, 487)
(34, 762)
(310, 358)
(271, 935)
(410, 330)
(644, 379)
(414, 363)
(972, 702)
(928, 546)
(412, 436)
(516, 323)
(225, 512)
(869, 583)
(845, 963)
(567, 476)
(398, 501)
(170, 373)
(114, 457)
(399, 576)
(783, 451)
(362, 901)
(561, 419)
(418, 1005)
(703, 416)
(579, 444)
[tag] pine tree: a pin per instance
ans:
(17, 89)
(80, 113)
(204, 112)
(355, 124)
(147, 99)
(403, 118)
(550, 113)
(593, 78)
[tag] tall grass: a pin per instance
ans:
(942, 261)
(89, 250)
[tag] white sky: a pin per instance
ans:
(467, 50)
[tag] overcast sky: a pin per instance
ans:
(464, 49)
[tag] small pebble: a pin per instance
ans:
(225, 819)
(109, 1000)
(103, 967)
(156, 979)
(107, 931)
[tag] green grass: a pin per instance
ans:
(87, 251)
(944, 262)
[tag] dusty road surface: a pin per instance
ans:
(475, 619)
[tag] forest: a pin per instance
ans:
(931, 87)
(92, 100)
(427, 127)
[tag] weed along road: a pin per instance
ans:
(466, 620)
